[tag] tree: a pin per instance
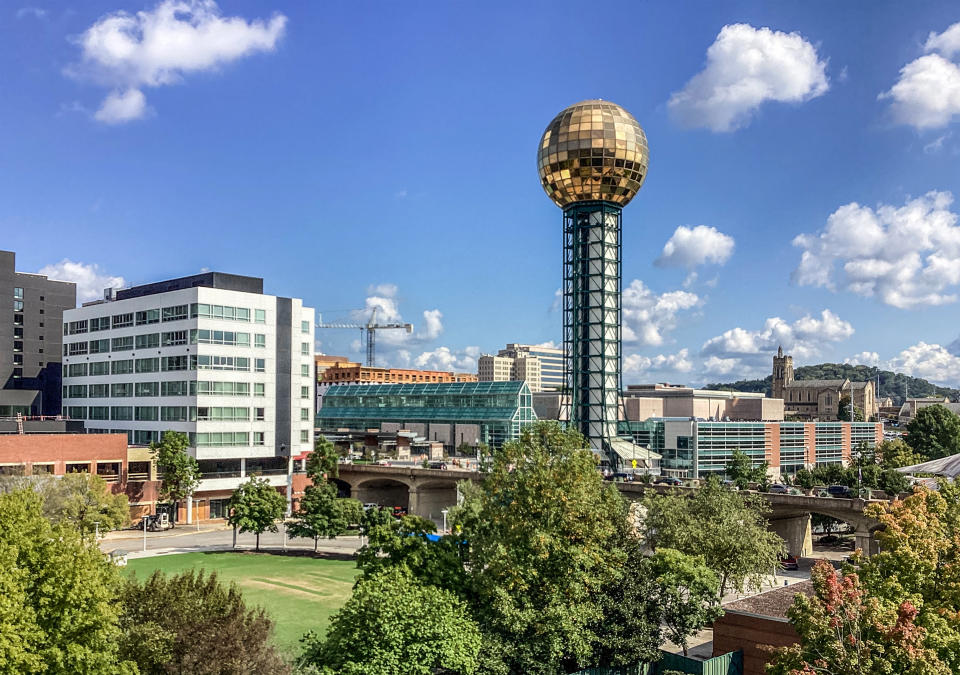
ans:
(844, 408)
(192, 624)
(934, 432)
(256, 507)
(688, 594)
(179, 472)
(844, 631)
(741, 471)
(85, 501)
(727, 528)
(895, 453)
(320, 514)
(323, 462)
(394, 625)
(59, 595)
(539, 549)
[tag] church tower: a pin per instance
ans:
(782, 373)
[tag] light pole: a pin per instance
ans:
(145, 518)
(444, 512)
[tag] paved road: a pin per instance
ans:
(186, 539)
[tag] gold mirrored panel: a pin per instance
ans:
(593, 151)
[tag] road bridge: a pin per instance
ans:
(427, 492)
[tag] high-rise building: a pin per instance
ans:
(31, 339)
(592, 160)
(523, 367)
(551, 362)
(209, 355)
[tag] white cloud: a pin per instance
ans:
(158, 47)
(946, 43)
(35, 12)
(929, 361)
(803, 338)
(648, 317)
(863, 359)
(90, 279)
(714, 365)
(689, 247)
(444, 358)
(385, 299)
(747, 66)
(636, 364)
(122, 106)
(905, 256)
(927, 95)
(432, 325)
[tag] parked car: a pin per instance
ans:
(778, 489)
(839, 491)
(789, 563)
(399, 511)
(370, 505)
(730, 485)
(620, 476)
(668, 480)
(437, 465)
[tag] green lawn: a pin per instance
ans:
(299, 592)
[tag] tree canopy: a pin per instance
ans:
(394, 625)
(256, 506)
(740, 469)
(179, 472)
(192, 623)
(58, 604)
(320, 514)
(728, 528)
(934, 432)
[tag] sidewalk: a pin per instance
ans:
(179, 531)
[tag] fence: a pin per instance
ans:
(726, 664)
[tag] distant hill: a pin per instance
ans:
(891, 384)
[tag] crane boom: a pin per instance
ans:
(370, 331)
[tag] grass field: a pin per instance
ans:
(299, 592)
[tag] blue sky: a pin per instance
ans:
(383, 154)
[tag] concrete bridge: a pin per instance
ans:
(427, 492)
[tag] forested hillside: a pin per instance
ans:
(894, 385)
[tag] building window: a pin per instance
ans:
(123, 320)
(99, 391)
(176, 313)
(147, 389)
(173, 388)
(142, 437)
(77, 370)
(121, 389)
(77, 412)
(121, 367)
(18, 346)
(76, 327)
(259, 438)
(148, 316)
(18, 305)
(99, 346)
(175, 363)
(305, 349)
(123, 412)
(73, 349)
(304, 392)
(100, 368)
(225, 312)
(18, 293)
(17, 373)
(174, 338)
(258, 414)
(99, 412)
(260, 340)
(304, 370)
(304, 435)
(219, 337)
(18, 319)
(102, 323)
(18, 359)
(148, 365)
(304, 414)
(260, 365)
(148, 341)
(260, 315)
(77, 391)
(121, 344)
(305, 327)
(259, 389)
(145, 413)
(174, 413)
(18, 333)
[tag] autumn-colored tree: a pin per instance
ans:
(845, 631)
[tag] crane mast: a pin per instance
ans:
(368, 332)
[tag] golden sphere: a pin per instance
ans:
(593, 151)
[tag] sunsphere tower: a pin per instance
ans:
(592, 159)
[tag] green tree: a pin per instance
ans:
(394, 625)
(85, 501)
(934, 432)
(191, 623)
(539, 549)
(179, 472)
(320, 514)
(844, 631)
(352, 510)
(323, 462)
(66, 620)
(729, 529)
(256, 507)
(688, 594)
(895, 453)
(740, 470)
(844, 408)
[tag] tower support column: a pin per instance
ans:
(591, 318)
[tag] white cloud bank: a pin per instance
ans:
(692, 246)
(90, 279)
(648, 316)
(636, 364)
(158, 47)
(746, 67)
(929, 361)
(904, 256)
(927, 94)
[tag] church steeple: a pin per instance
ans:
(782, 373)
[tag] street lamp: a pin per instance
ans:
(444, 512)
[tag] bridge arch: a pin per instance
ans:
(387, 492)
(344, 489)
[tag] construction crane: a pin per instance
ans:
(370, 330)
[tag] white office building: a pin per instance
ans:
(209, 355)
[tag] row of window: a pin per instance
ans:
(166, 413)
(176, 313)
(156, 364)
(180, 388)
(168, 339)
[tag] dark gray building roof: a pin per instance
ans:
(230, 282)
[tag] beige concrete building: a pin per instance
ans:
(913, 405)
(819, 399)
(644, 401)
(524, 367)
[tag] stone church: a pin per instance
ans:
(819, 400)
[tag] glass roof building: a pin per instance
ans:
(449, 412)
